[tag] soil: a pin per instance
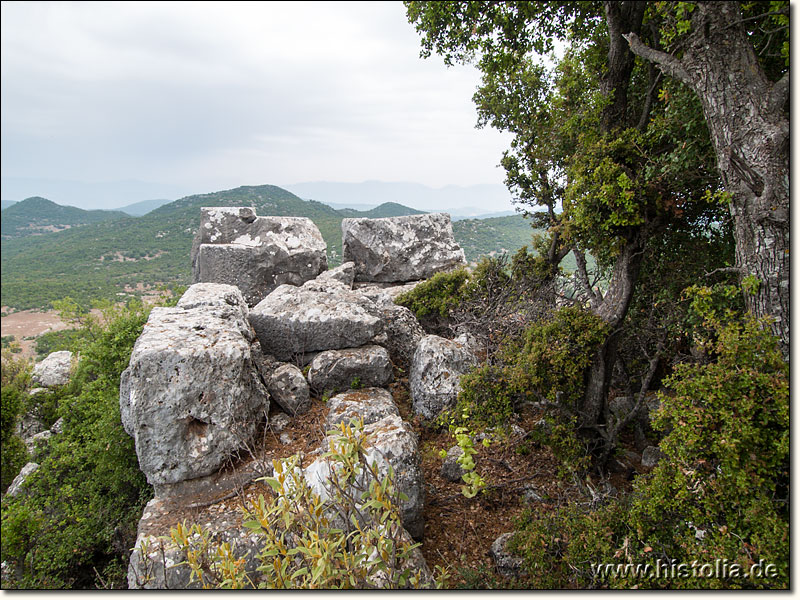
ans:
(459, 531)
(26, 325)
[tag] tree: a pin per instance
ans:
(592, 136)
(747, 116)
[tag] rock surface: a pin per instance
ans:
(54, 370)
(651, 456)
(436, 369)
(371, 405)
(336, 370)
(191, 396)
(317, 316)
(451, 470)
(289, 389)
(257, 254)
(507, 564)
(389, 442)
(16, 486)
(400, 249)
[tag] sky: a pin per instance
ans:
(201, 97)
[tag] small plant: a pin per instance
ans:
(474, 483)
(349, 537)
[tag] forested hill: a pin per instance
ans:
(37, 216)
(112, 258)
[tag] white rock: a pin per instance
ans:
(54, 370)
(298, 320)
(191, 395)
(336, 370)
(400, 249)
(436, 369)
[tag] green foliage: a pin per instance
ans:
(721, 493)
(80, 509)
(432, 300)
(556, 353)
(115, 260)
(35, 216)
(547, 364)
(54, 341)
(489, 395)
(8, 342)
(360, 544)
(12, 449)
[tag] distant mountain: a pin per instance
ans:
(139, 209)
(387, 209)
(487, 197)
(37, 216)
(111, 259)
(4, 204)
(89, 194)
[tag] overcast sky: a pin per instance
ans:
(211, 96)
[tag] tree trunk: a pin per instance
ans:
(749, 127)
(612, 309)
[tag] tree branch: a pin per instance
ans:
(668, 64)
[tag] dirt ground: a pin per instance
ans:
(27, 325)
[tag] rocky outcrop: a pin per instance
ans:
(191, 396)
(289, 389)
(436, 369)
(336, 370)
(256, 254)
(317, 316)
(54, 370)
(400, 249)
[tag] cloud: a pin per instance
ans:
(231, 93)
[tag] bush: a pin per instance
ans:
(13, 454)
(721, 493)
(74, 526)
(353, 539)
(431, 301)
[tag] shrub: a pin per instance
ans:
(353, 539)
(431, 301)
(721, 493)
(74, 526)
(13, 454)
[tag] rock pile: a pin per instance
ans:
(203, 374)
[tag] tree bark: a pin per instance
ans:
(612, 309)
(749, 128)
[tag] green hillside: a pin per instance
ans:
(129, 255)
(387, 209)
(37, 216)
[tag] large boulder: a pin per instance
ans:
(157, 563)
(400, 249)
(256, 254)
(192, 396)
(54, 370)
(436, 369)
(317, 316)
(335, 370)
